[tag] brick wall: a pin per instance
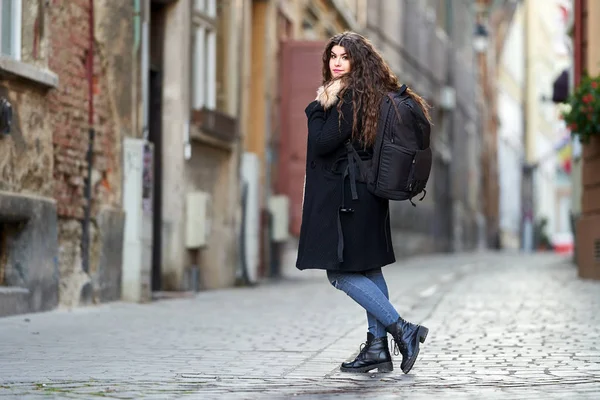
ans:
(46, 152)
(69, 46)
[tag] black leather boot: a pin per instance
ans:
(407, 337)
(374, 355)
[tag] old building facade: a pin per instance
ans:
(215, 99)
(287, 41)
(159, 145)
(511, 135)
(543, 128)
(494, 22)
(65, 69)
(197, 73)
(587, 58)
(431, 50)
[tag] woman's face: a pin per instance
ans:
(339, 63)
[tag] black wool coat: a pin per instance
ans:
(364, 229)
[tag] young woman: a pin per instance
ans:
(345, 229)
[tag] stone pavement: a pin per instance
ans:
(501, 326)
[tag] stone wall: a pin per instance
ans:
(46, 153)
(26, 155)
(28, 259)
(69, 115)
(28, 236)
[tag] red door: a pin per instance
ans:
(301, 74)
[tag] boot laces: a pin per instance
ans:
(363, 349)
(398, 346)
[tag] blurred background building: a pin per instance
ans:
(586, 180)
(429, 45)
(157, 147)
(548, 54)
(65, 81)
(512, 83)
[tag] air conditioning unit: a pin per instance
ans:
(279, 207)
(197, 227)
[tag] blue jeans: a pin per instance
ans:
(370, 291)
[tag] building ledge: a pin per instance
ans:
(213, 128)
(12, 290)
(29, 72)
(14, 300)
(346, 15)
(199, 136)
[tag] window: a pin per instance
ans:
(10, 28)
(204, 55)
(309, 24)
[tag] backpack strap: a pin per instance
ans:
(354, 160)
(349, 172)
(395, 107)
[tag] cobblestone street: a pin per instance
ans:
(501, 326)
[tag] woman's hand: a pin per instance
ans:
(329, 129)
(314, 106)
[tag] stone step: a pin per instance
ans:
(13, 300)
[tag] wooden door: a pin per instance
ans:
(300, 76)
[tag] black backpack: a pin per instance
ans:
(402, 154)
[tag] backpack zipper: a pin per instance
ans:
(411, 176)
(381, 148)
(392, 135)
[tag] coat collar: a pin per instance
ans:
(327, 95)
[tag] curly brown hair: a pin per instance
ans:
(369, 79)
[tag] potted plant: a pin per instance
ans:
(582, 114)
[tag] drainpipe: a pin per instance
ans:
(85, 237)
(136, 48)
(136, 25)
(240, 108)
(145, 68)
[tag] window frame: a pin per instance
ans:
(204, 55)
(15, 31)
